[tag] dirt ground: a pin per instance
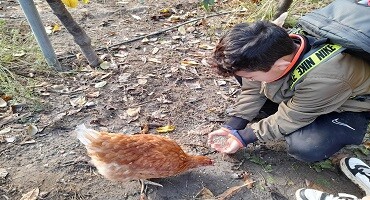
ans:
(158, 80)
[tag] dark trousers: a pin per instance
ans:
(326, 135)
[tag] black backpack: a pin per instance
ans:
(343, 25)
(342, 22)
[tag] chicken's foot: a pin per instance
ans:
(144, 182)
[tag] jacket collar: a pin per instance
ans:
(303, 48)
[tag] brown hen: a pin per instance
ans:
(121, 157)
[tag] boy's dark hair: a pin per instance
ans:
(254, 47)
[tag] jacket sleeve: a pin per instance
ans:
(248, 103)
(313, 97)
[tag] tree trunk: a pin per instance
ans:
(79, 35)
(283, 7)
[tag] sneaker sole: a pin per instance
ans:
(298, 194)
(345, 170)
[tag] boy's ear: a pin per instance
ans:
(281, 64)
(281, 19)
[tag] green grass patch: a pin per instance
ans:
(325, 164)
(258, 160)
(19, 54)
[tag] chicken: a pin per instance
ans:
(120, 157)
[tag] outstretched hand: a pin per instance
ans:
(231, 145)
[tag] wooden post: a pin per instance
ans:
(79, 35)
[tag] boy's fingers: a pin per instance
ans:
(232, 148)
(219, 132)
(217, 147)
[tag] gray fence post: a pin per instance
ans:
(38, 30)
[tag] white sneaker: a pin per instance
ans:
(312, 194)
(357, 171)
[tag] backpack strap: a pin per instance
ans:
(312, 59)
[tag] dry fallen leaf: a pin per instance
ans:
(248, 181)
(132, 112)
(56, 28)
(205, 194)
(106, 75)
(28, 142)
(3, 173)
(206, 46)
(78, 102)
(182, 30)
(11, 139)
(194, 71)
(221, 82)
(155, 50)
(155, 60)
(100, 84)
(19, 53)
(174, 18)
(145, 40)
(166, 12)
(190, 29)
(313, 185)
(143, 197)
(31, 195)
(189, 62)
(198, 54)
(194, 86)
(230, 192)
(104, 65)
(3, 103)
(7, 97)
(49, 30)
(70, 3)
(93, 94)
(5, 130)
(124, 77)
(32, 129)
(121, 54)
(367, 144)
(142, 81)
(136, 17)
(335, 159)
(166, 129)
(205, 62)
(158, 114)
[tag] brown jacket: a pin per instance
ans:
(329, 87)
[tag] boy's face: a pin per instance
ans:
(276, 71)
(259, 75)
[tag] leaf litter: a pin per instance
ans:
(126, 89)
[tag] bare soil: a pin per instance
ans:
(163, 76)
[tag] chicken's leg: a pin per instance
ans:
(144, 182)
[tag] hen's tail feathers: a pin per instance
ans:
(86, 135)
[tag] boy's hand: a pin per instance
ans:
(231, 145)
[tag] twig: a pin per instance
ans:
(264, 179)
(10, 17)
(2, 150)
(74, 162)
(195, 145)
(208, 153)
(13, 119)
(240, 164)
(115, 46)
